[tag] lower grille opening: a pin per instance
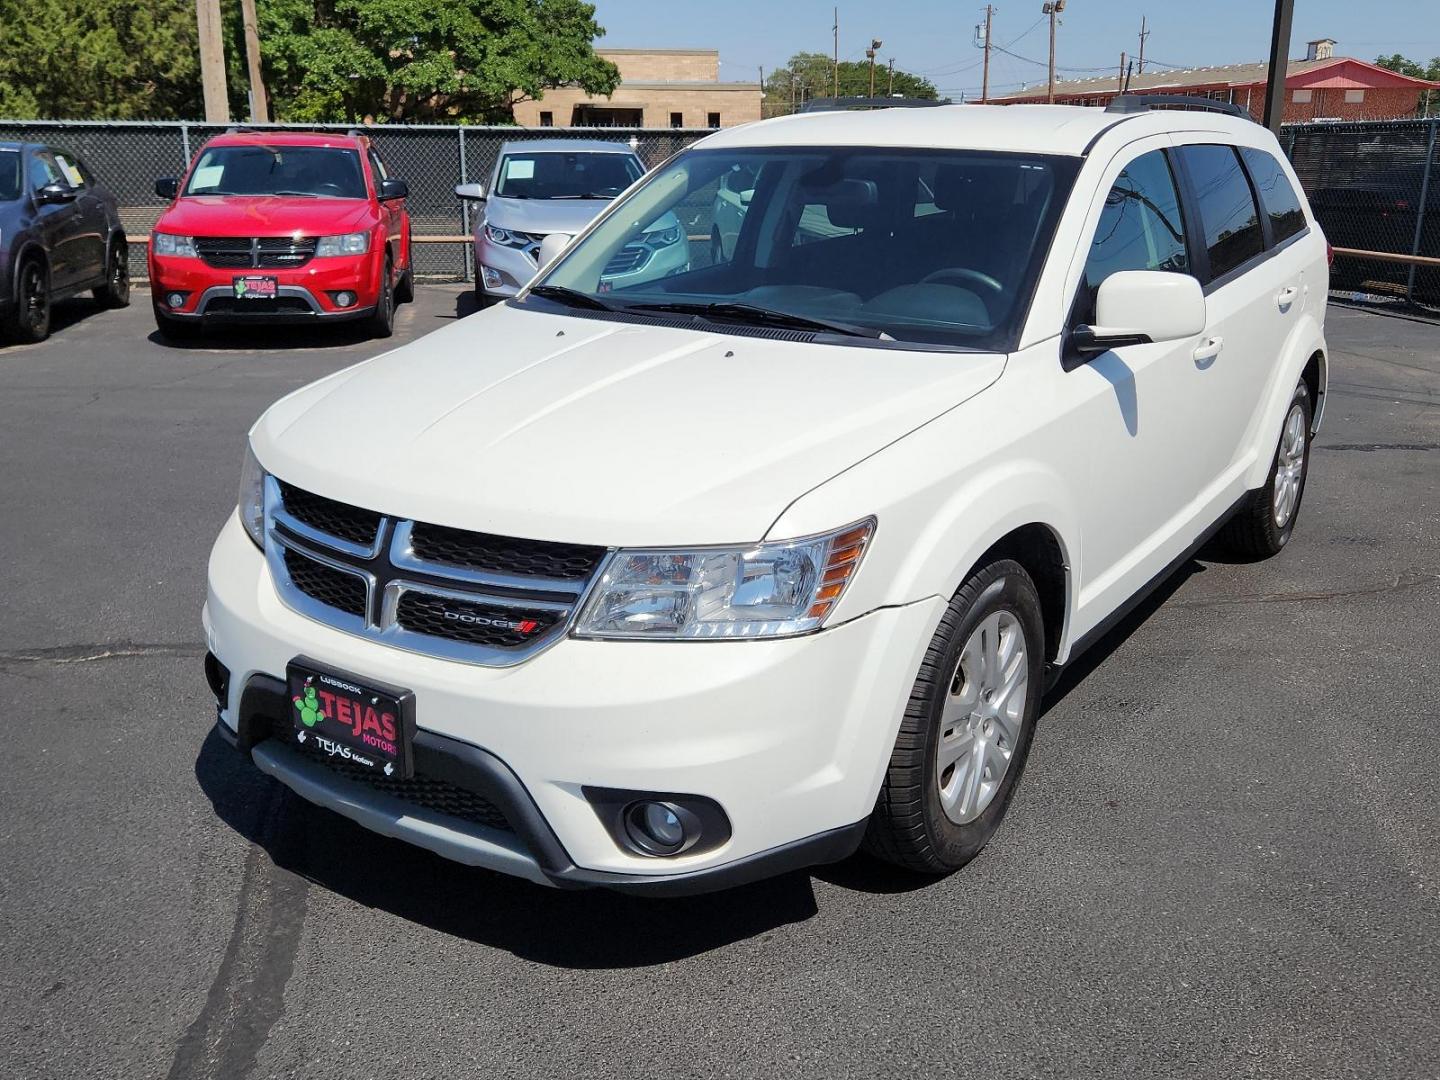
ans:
(281, 305)
(437, 796)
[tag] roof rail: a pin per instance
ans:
(1134, 103)
(839, 104)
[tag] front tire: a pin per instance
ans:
(967, 728)
(115, 293)
(382, 322)
(29, 322)
(1266, 519)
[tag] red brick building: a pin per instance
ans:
(1321, 87)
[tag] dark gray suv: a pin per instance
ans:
(60, 234)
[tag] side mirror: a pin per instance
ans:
(552, 246)
(470, 191)
(54, 193)
(393, 189)
(1137, 307)
(167, 186)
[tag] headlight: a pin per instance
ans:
(663, 237)
(766, 590)
(352, 243)
(170, 244)
(252, 497)
(506, 238)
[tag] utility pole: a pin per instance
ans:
(891, 91)
(212, 61)
(1053, 8)
(1122, 72)
(1144, 33)
(259, 106)
(875, 44)
(1279, 64)
(836, 29)
(985, 76)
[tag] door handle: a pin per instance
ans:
(1208, 350)
(1286, 296)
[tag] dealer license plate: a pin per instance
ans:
(355, 722)
(255, 287)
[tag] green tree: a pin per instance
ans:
(811, 75)
(104, 59)
(422, 60)
(1430, 100)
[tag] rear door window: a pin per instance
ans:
(1277, 196)
(1228, 214)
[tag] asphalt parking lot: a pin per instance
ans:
(1224, 860)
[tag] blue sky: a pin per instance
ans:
(934, 37)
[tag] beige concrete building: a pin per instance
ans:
(659, 88)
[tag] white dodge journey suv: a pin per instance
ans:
(675, 585)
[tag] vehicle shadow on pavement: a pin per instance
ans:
(580, 929)
(268, 338)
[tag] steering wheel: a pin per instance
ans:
(328, 188)
(962, 273)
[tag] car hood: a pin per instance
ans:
(528, 424)
(265, 215)
(543, 216)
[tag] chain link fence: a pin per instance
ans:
(1375, 187)
(129, 156)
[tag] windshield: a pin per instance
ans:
(561, 175)
(940, 247)
(9, 175)
(320, 171)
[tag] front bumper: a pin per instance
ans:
(307, 293)
(790, 738)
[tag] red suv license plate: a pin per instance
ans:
(256, 288)
(351, 722)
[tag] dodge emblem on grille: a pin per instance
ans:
(522, 626)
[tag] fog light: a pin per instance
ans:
(490, 277)
(176, 299)
(661, 828)
(344, 299)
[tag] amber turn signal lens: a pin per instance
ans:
(840, 565)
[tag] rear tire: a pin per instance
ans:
(29, 322)
(1266, 519)
(967, 728)
(115, 293)
(382, 322)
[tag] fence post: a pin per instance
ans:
(465, 210)
(185, 144)
(1420, 217)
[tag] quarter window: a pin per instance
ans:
(1277, 197)
(1227, 206)
(1140, 227)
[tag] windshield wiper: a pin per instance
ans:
(583, 195)
(301, 194)
(761, 316)
(570, 297)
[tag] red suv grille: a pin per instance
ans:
(252, 252)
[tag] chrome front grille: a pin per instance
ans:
(255, 252)
(482, 599)
(627, 260)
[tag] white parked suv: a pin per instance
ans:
(726, 572)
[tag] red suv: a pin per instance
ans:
(281, 227)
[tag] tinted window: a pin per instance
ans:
(1140, 227)
(43, 171)
(556, 175)
(278, 170)
(9, 175)
(934, 246)
(1227, 206)
(1276, 195)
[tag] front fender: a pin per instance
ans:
(1306, 339)
(932, 530)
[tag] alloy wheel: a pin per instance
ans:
(120, 273)
(984, 710)
(34, 298)
(1289, 467)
